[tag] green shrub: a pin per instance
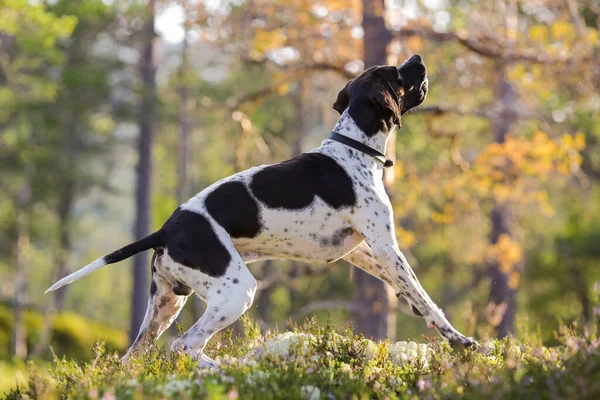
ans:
(314, 362)
(72, 335)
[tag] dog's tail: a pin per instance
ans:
(155, 239)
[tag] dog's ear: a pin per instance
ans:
(343, 99)
(387, 104)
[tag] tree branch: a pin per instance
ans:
(316, 66)
(437, 109)
(488, 47)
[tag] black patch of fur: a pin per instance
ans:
(293, 184)
(181, 290)
(371, 104)
(338, 238)
(416, 311)
(153, 240)
(191, 241)
(234, 209)
(153, 287)
(381, 94)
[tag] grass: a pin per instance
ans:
(315, 362)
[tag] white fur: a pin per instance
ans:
(291, 234)
(88, 269)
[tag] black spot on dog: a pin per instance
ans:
(163, 301)
(338, 237)
(235, 280)
(181, 290)
(293, 184)
(234, 209)
(417, 312)
(153, 288)
(192, 242)
(153, 262)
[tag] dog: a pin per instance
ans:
(319, 207)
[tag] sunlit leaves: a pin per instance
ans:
(29, 39)
(314, 32)
(506, 252)
(501, 169)
(265, 41)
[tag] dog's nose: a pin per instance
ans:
(415, 59)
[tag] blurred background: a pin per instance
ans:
(112, 113)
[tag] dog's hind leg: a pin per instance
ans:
(163, 308)
(227, 297)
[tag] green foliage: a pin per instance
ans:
(322, 363)
(72, 335)
(35, 32)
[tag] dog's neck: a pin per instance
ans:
(347, 126)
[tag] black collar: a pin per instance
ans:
(379, 156)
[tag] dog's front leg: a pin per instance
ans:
(387, 253)
(375, 223)
(362, 257)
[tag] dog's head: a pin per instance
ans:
(382, 94)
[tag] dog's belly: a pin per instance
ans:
(315, 234)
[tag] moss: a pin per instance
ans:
(72, 335)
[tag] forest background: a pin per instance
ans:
(112, 113)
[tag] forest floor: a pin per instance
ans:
(315, 362)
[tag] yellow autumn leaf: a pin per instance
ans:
(405, 238)
(265, 41)
(539, 33)
(567, 141)
(592, 36)
(283, 88)
(506, 267)
(513, 281)
(415, 43)
(562, 30)
(579, 141)
(517, 72)
(399, 169)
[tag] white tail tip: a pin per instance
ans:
(88, 269)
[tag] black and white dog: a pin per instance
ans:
(319, 207)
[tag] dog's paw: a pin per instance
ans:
(463, 342)
(205, 362)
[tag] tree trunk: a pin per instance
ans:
(184, 124)
(19, 337)
(61, 270)
(263, 300)
(502, 296)
(376, 316)
(65, 205)
(144, 170)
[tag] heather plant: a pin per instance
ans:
(318, 362)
